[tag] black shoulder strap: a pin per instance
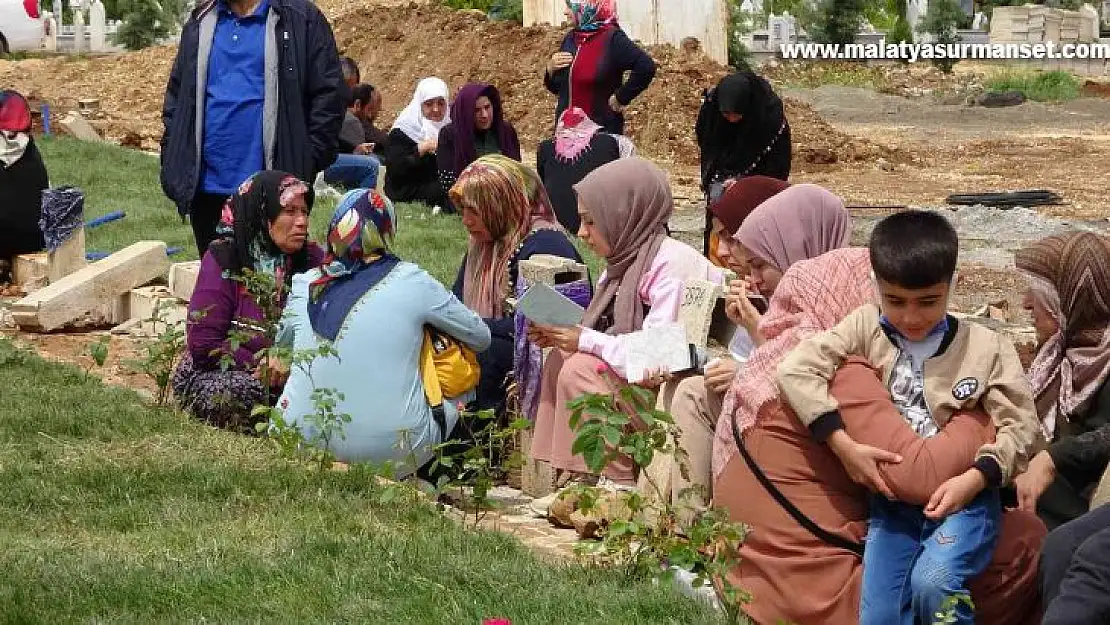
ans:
(791, 509)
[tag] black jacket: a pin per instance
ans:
(21, 187)
(1082, 448)
(621, 55)
(560, 176)
(309, 112)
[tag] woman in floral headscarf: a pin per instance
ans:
(508, 216)
(263, 235)
(588, 70)
(372, 307)
(579, 147)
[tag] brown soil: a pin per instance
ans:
(395, 47)
(1094, 89)
(72, 348)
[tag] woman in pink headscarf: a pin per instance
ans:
(578, 147)
(624, 207)
(807, 517)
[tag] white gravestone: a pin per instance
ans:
(98, 23)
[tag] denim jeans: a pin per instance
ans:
(353, 171)
(912, 564)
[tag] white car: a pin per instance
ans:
(21, 25)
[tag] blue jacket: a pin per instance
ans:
(301, 127)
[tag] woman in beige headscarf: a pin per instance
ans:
(624, 208)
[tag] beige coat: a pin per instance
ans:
(976, 367)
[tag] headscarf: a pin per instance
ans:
(573, 134)
(15, 127)
(360, 242)
(243, 234)
(730, 149)
(813, 296)
(1069, 275)
(630, 202)
(593, 15)
(462, 116)
(743, 197)
(799, 223)
(512, 202)
(412, 122)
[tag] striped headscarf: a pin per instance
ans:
(511, 202)
(813, 296)
(1069, 275)
(592, 15)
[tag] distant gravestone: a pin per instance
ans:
(78, 30)
(980, 22)
(98, 24)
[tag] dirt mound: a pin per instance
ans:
(397, 46)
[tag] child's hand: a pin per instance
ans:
(954, 494)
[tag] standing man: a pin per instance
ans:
(256, 85)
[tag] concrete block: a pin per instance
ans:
(76, 125)
(183, 279)
(31, 271)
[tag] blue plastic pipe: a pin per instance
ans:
(95, 256)
(105, 219)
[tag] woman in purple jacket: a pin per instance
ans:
(263, 233)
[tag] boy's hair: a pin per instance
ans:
(914, 249)
(362, 93)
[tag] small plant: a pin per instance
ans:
(325, 424)
(650, 535)
(484, 460)
(98, 351)
(162, 353)
(947, 613)
(1054, 86)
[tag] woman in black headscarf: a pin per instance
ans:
(741, 131)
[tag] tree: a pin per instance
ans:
(146, 22)
(838, 21)
(740, 22)
(941, 21)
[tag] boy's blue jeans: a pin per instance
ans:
(911, 564)
(353, 171)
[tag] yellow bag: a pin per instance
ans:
(448, 368)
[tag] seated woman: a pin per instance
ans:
(579, 147)
(741, 131)
(373, 308)
(477, 128)
(263, 231)
(815, 544)
(624, 208)
(508, 216)
(22, 180)
(412, 174)
(1069, 297)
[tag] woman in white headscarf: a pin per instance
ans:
(412, 174)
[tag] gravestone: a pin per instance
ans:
(98, 24)
(980, 22)
(78, 27)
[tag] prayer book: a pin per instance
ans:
(543, 305)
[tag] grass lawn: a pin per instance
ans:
(115, 511)
(117, 179)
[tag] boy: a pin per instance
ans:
(933, 366)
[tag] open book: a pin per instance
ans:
(543, 305)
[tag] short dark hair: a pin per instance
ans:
(914, 249)
(362, 94)
(350, 69)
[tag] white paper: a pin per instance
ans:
(543, 305)
(662, 348)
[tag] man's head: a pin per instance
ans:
(351, 74)
(366, 102)
(913, 255)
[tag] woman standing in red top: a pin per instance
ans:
(588, 70)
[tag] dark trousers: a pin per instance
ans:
(204, 215)
(1075, 571)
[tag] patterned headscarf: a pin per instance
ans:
(573, 134)
(1069, 275)
(15, 127)
(801, 222)
(243, 234)
(813, 296)
(361, 232)
(360, 242)
(511, 202)
(592, 15)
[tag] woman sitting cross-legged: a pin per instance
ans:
(624, 207)
(412, 174)
(508, 216)
(373, 309)
(264, 232)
